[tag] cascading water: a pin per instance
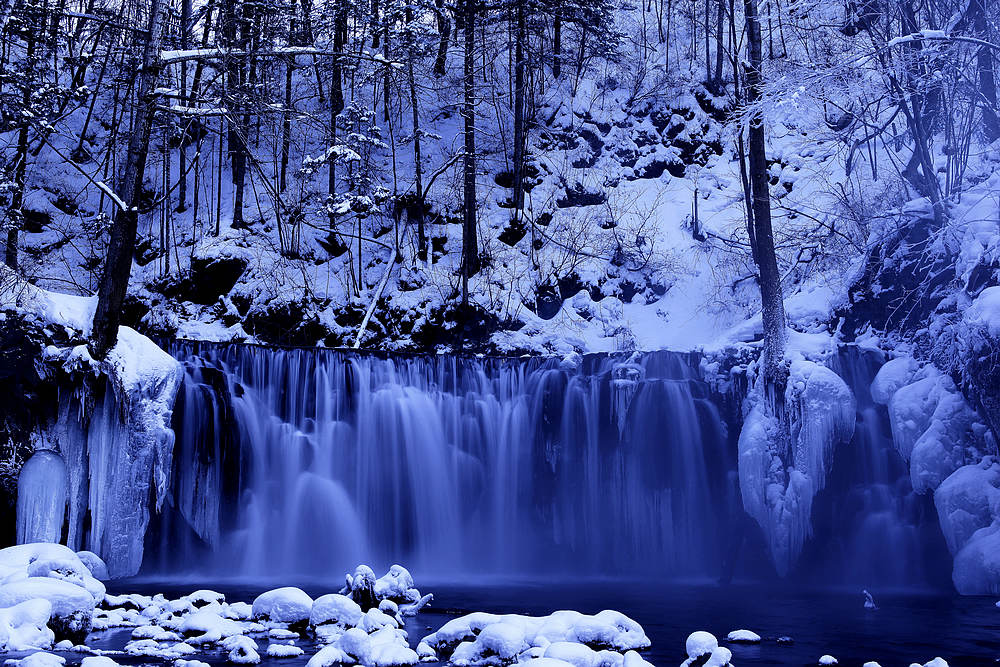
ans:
(306, 462)
(309, 461)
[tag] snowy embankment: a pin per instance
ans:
(50, 601)
(110, 444)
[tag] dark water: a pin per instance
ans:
(907, 627)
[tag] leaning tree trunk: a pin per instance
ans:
(118, 264)
(773, 309)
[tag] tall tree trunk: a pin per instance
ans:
(557, 42)
(444, 32)
(185, 28)
(15, 215)
(519, 133)
(336, 99)
(417, 210)
(470, 244)
(720, 18)
(773, 309)
(118, 264)
(987, 71)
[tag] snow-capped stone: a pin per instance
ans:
(207, 626)
(700, 643)
(98, 569)
(336, 609)
(24, 626)
(72, 606)
(203, 598)
(396, 585)
(283, 651)
(871, 664)
(242, 650)
(828, 660)
(39, 659)
(98, 661)
(606, 629)
(284, 605)
(891, 377)
(743, 636)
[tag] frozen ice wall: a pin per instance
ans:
(41, 498)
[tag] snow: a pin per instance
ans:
(933, 427)
(242, 650)
(828, 660)
(474, 639)
(283, 651)
(778, 483)
(743, 636)
(283, 605)
(985, 312)
(700, 643)
(39, 659)
(24, 626)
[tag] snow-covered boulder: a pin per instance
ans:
(283, 605)
(24, 626)
(933, 427)
(98, 569)
(781, 472)
(703, 650)
(283, 651)
(968, 506)
(335, 609)
(743, 637)
(395, 585)
(828, 660)
(384, 648)
(481, 638)
(72, 606)
(39, 659)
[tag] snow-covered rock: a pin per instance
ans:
(72, 606)
(39, 659)
(283, 605)
(743, 636)
(933, 427)
(242, 650)
(24, 626)
(283, 651)
(780, 473)
(336, 609)
(828, 660)
(384, 648)
(968, 506)
(481, 638)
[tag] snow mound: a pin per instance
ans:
(780, 473)
(985, 312)
(828, 660)
(283, 651)
(283, 605)
(968, 506)
(933, 427)
(383, 648)
(24, 626)
(743, 636)
(40, 659)
(481, 638)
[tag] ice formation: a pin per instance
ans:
(41, 498)
(118, 455)
(781, 472)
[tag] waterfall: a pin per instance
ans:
(309, 461)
